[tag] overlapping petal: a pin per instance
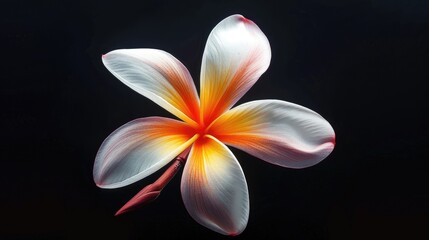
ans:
(278, 132)
(237, 53)
(214, 189)
(158, 76)
(139, 148)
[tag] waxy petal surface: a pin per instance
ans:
(214, 189)
(139, 148)
(278, 132)
(158, 76)
(237, 53)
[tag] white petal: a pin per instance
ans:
(237, 53)
(137, 149)
(278, 132)
(214, 188)
(158, 76)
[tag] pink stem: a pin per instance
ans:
(152, 191)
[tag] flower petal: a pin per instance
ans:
(139, 148)
(278, 132)
(158, 76)
(237, 53)
(214, 188)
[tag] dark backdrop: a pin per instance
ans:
(361, 64)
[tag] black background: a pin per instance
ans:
(361, 64)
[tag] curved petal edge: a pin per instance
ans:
(236, 54)
(158, 76)
(278, 132)
(138, 149)
(214, 189)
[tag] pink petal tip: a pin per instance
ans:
(245, 20)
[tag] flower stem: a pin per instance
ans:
(152, 191)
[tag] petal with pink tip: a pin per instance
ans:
(158, 76)
(278, 132)
(214, 189)
(237, 53)
(139, 148)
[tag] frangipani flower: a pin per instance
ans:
(213, 186)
